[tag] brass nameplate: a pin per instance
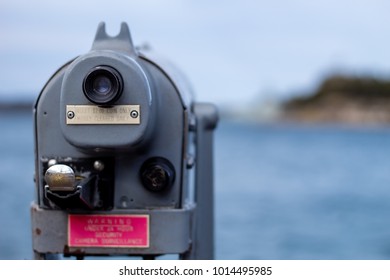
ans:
(91, 114)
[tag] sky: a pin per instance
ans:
(233, 52)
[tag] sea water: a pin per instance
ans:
(281, 191)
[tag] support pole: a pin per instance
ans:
(206, 121)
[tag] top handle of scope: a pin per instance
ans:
(122, 42)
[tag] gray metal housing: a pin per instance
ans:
(168, 119)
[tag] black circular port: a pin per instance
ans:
(103, 85)
(157, 174)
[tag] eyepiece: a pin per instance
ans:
(103, 85)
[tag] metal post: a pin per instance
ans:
(203, 244)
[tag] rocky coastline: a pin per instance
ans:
(342, 99)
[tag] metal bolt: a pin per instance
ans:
(98, 165)
(134, 114)
(51, 162)
(124, 201)
(70, 114)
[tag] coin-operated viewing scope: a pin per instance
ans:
(123, 157)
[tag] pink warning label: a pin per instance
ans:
(125, 231)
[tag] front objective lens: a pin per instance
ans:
(103, 85)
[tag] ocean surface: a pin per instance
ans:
(282, 191)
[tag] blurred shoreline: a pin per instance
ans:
(353, 114)
(345, 100)
(16, 102)
(339, 99)
(16, 107)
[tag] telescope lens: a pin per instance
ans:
(103, 85)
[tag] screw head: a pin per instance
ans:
(70, 114)
(134, 114)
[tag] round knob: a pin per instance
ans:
(60, 177)
(157, 174)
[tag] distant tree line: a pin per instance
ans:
(343, 88)
(343, 98)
